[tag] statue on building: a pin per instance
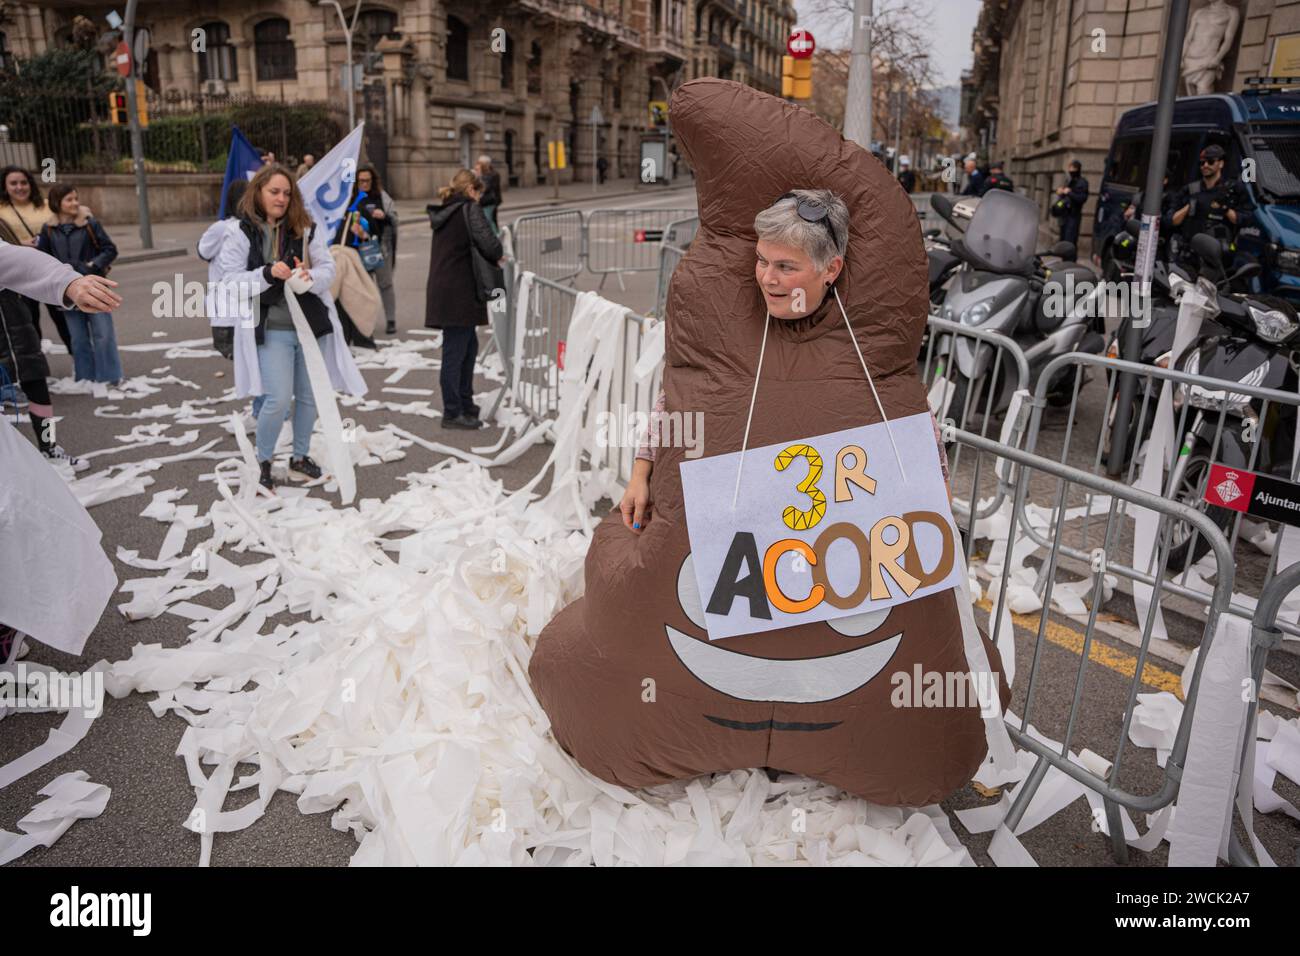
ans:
(1211, 31)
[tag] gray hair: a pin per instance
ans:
(485, 161)
(782, 224)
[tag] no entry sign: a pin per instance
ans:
(801, 44)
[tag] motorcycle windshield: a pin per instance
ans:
(1003, 232)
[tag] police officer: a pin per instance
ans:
(996, 179)
(1213, 204)
(1070, 200)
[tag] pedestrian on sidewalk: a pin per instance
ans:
(23, 211)
(372, 215)
(78, 239)
(602, 166)
(491, 200)
(278, 245)
(463, 258)
(26, 273)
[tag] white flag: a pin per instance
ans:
(327, 186)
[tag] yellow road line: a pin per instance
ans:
(1071, 640)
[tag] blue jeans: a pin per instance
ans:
(284, 379)
(94, 346)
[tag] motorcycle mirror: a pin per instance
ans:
(1208, 249)
(941, 204)
(1133, 228)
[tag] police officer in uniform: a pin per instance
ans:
(1070, 199)
(996, 179)
(1213, 204)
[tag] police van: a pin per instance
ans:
(1260, 124)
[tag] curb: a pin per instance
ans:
(145, 255)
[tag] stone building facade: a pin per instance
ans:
(1051, 78)
(446, 80)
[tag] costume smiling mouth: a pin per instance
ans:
(808, 680)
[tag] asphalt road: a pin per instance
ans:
(133, 751)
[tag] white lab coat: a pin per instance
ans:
(230, 270)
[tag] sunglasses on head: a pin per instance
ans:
(812, 211)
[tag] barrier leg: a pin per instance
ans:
(1114, 823)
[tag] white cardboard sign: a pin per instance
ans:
(816, 533)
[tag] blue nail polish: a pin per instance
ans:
(637, 525)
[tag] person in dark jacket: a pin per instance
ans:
(1075, 194)
(456, 300)
(491, 200)
(996, 179)
(82, 243)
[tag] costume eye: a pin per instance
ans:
(688, 594)
(857, 625)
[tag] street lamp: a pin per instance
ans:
(347, 38)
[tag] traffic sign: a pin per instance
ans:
(801, 44)
(122, 58)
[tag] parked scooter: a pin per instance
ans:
(943, 262)
(1257, 348)
(1004, 286)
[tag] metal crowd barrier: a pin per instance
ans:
(995, 401)
(1187, 470)
(627, 240)
(1037, 700)
(534, 378)
(677, 239)
(551, 244)
(1266, 635)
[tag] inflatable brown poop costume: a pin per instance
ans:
(592, 662)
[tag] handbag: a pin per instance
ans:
(488, 277)
(370, 251)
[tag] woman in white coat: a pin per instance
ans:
(277, 244)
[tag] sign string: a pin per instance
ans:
(750, 417)
(854, 339)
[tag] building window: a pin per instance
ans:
(4, 52)
(373, 26)
(276, 59)
(508, 66)
(457, 50)
(217, 62)
(534, 68)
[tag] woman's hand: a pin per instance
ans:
(377, 214)
(636, 505)
(359, 232)
(31, 242)
(281, 270)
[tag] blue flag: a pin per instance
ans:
(242, 163)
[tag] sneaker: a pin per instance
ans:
(467, 422)
(14, 401)
(266, 481)
(304, 469)
(473, 411)
(57, 453)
